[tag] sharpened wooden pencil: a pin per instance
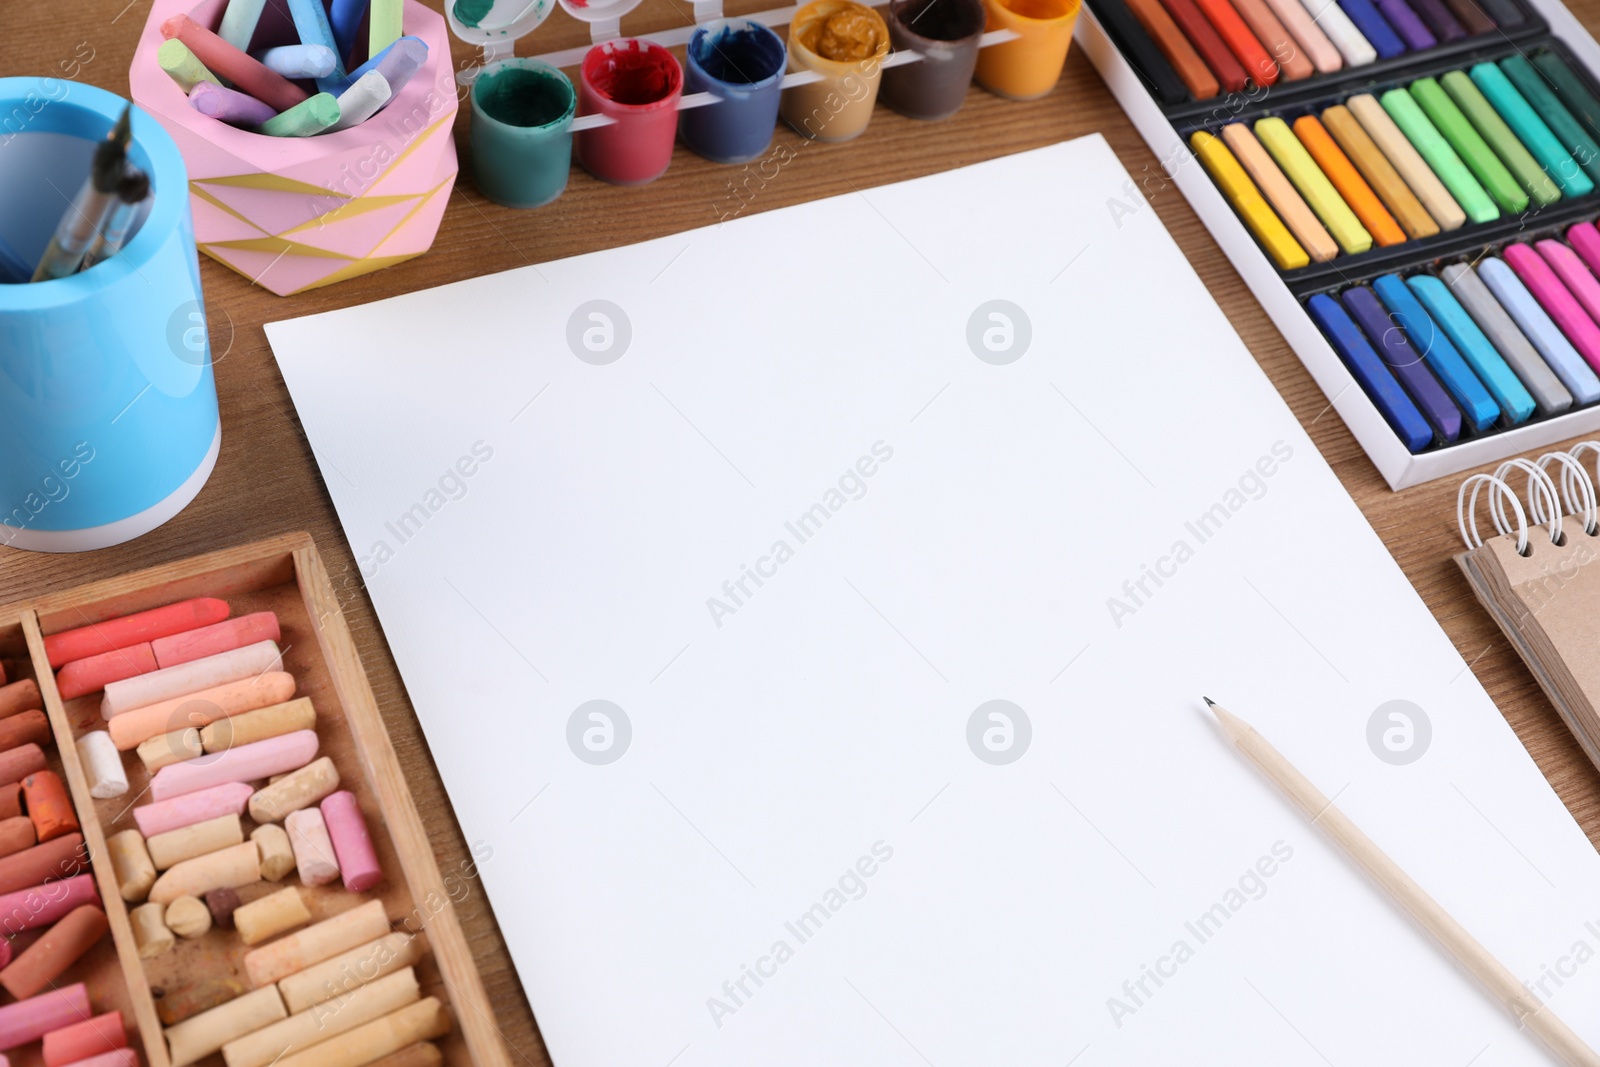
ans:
(1524, 1006)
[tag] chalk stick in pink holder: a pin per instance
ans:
(295, 213)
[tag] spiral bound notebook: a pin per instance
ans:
(1539, 578)
(812, 646)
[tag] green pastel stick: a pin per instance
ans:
(1493, 129)
(1478, 156)
(182, 67)
(1569, 130)
(1570, 88)
(1531, 130)
(311, 115)
(1439, 155)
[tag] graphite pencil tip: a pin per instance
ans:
(1209, 702)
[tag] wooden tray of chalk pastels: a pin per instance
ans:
(345, 975)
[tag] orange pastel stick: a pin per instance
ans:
(1240, 41)
(1348, 181)
(49, 807)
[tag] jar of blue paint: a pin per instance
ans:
(740, 62)
(108, 407)
(522, 113)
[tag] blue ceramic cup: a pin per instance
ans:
(108, 407)
(741, 63)
(522, 132)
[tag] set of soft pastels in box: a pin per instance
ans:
(270, 894)
(1168, 130)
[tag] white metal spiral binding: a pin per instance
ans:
(1544, 503)
(1467, 512)
(1548, 498)
(1577, 488)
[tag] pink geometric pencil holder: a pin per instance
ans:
(296, 213)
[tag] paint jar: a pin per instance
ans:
(108, 405)
(945, 33)
(1030, 65)
(522, 132)
(741, 63)
(844, 43)
(637, 84)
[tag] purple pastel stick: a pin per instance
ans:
(229, 105)
(1390, 341)
(397, 63)
(1407, 24)
(1443, 24)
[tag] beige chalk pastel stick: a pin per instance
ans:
(330, 1019)
(194, 1039)
(326, 939)
(350, 970)
(227, 868)
(297, 790)
(277, 854)
(260, 725)
(150, 931)
(1416, 173)
(422, 1021)
(131, 863)
(188, 917)
(197, 839)
(271, 915)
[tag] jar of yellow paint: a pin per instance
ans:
(1028, 65)
(844, 44)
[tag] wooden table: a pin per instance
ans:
(266, 480)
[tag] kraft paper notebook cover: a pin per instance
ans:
(809, 617)
(1541, 583)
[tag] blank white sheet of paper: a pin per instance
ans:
(706, 561)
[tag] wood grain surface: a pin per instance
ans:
(266, 481)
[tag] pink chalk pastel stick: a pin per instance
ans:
(122, 1057)
(82, 676)
(42, 905)
(192, 677)
(219, 637)
(1579, 279)
(1586, 239)
(175, 814)
(1557, 301)
(244, 763)
(29, 1020)
(226, 61)
(352, 844)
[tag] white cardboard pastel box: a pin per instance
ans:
(1399, 467)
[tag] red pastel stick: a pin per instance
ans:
(221, 637)
(1207, 43)
(130, 630)
(1240, 41)
(91, 675)
(225, 61)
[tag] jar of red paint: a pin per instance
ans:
(636, 84)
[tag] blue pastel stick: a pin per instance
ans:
(1531, 319)
(1438, 352)
(1530, 129)
(345, 17)
(311, 23)
(1375, 378)
(1389, 340)
(299, 60)
(397, 63)
(1374, 27)
(1448, 314)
